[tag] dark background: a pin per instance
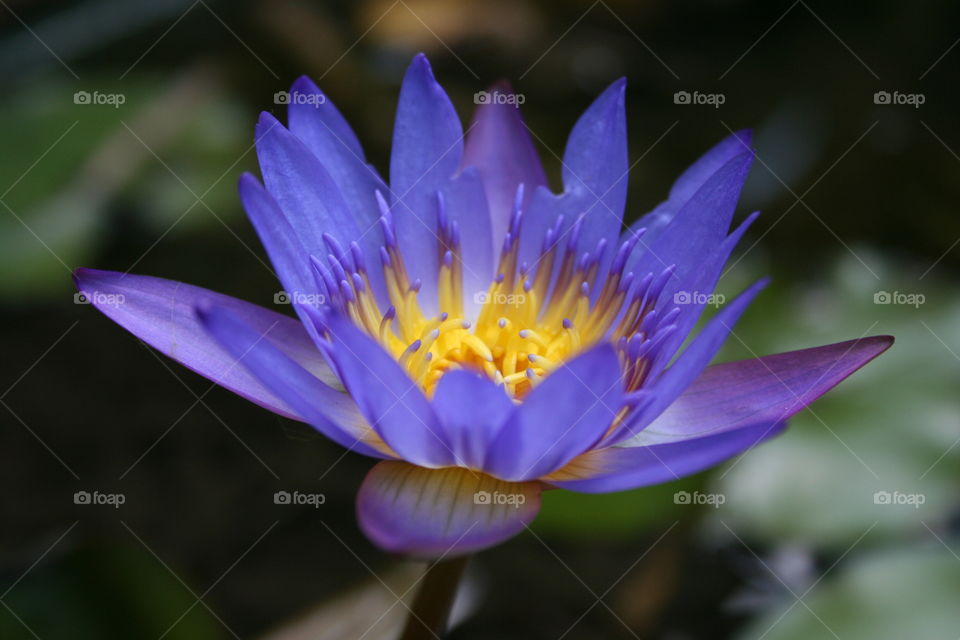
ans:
(858, 198)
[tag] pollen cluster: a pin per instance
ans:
(533, 317)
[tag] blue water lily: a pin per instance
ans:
(482, 336)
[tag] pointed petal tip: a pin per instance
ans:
(881, 342)
(247, 181)
(265, 122)
(745, 138)
(83, 277)
(421, 64)
(615, 94)
(77, 275)
(502, 85)
(305, 84)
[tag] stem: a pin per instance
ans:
(431, 608)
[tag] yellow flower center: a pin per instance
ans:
(531, 319)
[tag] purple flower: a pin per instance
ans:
(483, 336)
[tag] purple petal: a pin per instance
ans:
(699, 226)
(315, 120)
(279, 238)
(708, 164)
(308, 196)
(691, 180)
(594, 180)
(472, 410)
(161, 313)
(499, 145)
(693, 289)
(771, 388)
(330, 412)
(392, 402)
(466, 205)
(427, 148)
(561, 418)
(731, 407)
(442, 513)
(688, 364)
(595, 165)
(622, 468)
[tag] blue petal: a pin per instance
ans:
(708, 164)
(595, 164)
(466, 205)
(561, 418)
(699, 226)
(688, 364)
(768, 389)
(161, 313)
(730, 408)
(279, 239)
(499, 145)
(472, 410)
(696, 284)
(392, 402)
(441, 513)
(316, 121)
(690, 182)
(427, 148)
(594, 179)
(307, 194)
(331, 412)
(622, 468)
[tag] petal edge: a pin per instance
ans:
(441, 513)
